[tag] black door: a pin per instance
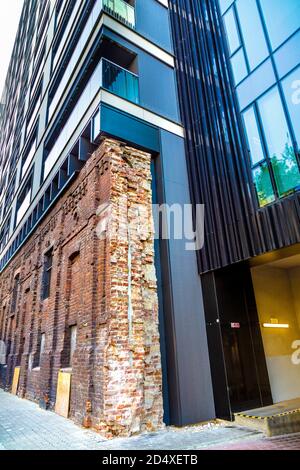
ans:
(238, 364)
(243, 383)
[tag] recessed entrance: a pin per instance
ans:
(277, 293)
(238, 367)
(253, 328)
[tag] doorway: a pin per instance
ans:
(276, 281)
(238, 365)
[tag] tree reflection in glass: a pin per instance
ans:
(263, 185)
(286, 171)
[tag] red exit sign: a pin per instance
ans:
(235, 325)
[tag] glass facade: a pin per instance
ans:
(261, 35)
(239, 66)
(282, 19)
(291, 88)
(253, 35)
(232, 30)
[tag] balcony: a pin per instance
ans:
(108, 76)
(117, 8)
(120, 81)
(121, 10)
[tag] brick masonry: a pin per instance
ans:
(103, 281)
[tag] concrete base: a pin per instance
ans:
(274, 420)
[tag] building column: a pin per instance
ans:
(128, 336)
(188, 374)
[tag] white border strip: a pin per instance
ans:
(164, 3)
(138, 40)
(141, 113)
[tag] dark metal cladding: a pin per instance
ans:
(218, 160)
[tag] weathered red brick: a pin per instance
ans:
(116, 368)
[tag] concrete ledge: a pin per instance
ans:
(269, 421)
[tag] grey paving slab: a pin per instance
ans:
(23, 425)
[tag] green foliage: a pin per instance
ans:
(286, 174)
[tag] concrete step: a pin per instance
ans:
(275, 420)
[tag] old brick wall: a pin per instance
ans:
(103, 282)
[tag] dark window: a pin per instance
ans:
(15, 293)
(39, 352)
(47, 274)
(2, 323)
(69, 346)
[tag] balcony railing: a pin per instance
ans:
(118, 8)
(120, 81)
(107, 75)
(122, 10)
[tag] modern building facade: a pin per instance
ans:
(114, 103)
(83, 71)
(237, 71)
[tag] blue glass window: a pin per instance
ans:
(256, 84)
(254, 140)
(261, 172)
(279, 143)
(291, 87)
(239, 66)
(287, 56)
(263, 185)
(252, 32)
(224, 4)
(282, 19)
(232, 31)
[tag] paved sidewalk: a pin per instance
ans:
(287, 442)
(23, 425)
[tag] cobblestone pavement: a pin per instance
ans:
(23, 425)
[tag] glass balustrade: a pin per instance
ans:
(118, 8)
(121, 10)
(120, 81)
(107, 75)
